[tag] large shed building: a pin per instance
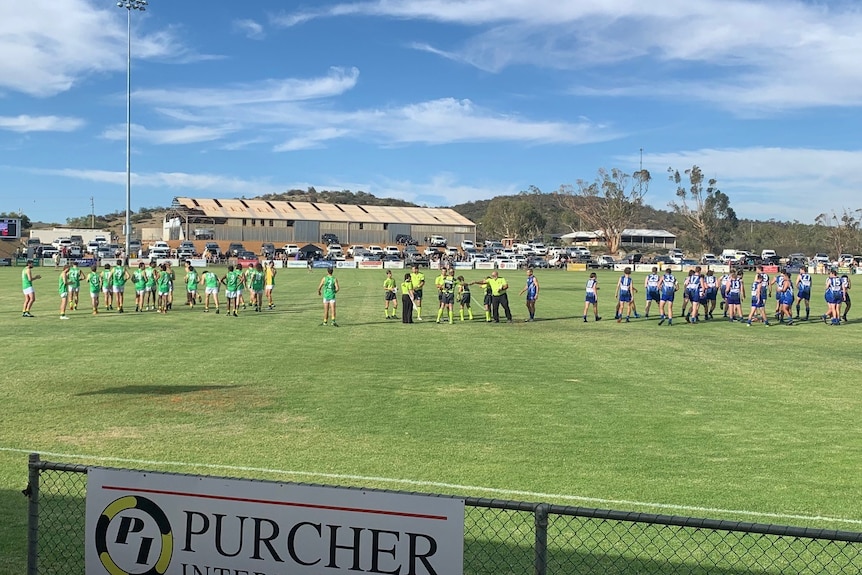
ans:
(300, 222)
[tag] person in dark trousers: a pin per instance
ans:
(499, 297)
(407, 299)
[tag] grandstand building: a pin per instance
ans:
(307, 222)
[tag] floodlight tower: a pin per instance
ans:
(129, 6)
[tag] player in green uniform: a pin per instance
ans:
(249, 276)
(139, 279)
(172, 276)
(63, 289)
(118, 283)
(74, 277)
(417, 278)
(438, 283)
(256, 286)
(192, 281)
(447, 294)
(163, 288)
(27, 279)
(233, 285)
(390, 294)
(94, 280)
(107, 282)
(328, 288)
(211, 283)
(150, 292)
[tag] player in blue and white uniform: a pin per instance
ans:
(758, 300)
(834, 297)
(695, 289)
(803, 291)
(735, 295)
(625, 296)
(722, 289)
(667, 287)
(784, 295)
(532, 291)
(652, 294)
(592, 297)
(710, 293)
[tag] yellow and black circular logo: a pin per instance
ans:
(133, 537)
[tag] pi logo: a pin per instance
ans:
(133, 537)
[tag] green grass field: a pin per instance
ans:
(711, 420)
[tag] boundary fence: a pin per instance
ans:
(515, 537)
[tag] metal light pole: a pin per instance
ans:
(129, 5)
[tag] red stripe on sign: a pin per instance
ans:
(282, 503)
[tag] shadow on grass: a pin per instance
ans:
(13, 528)
(155, 389)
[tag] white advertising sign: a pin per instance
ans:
(140, 522)
(390, 265)
(345, 264)
(507, 265)
(294, 264)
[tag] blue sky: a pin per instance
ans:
(437, 102)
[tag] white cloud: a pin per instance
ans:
(335, 83)
(763, 183)
(49, 45)
(184, 135)
(760, 55)
(25, 123)
(311, 139)
(251, 29)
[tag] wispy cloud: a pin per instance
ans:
(251, 29)
(25, 123)
(758, 55)
(338, 81)
(310, 139)
(184, 135)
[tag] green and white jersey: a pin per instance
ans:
(232, 280)
(74, 276)
(95, 281)
(61, 285)
(192, 280)
(257, 281)
(164, 282)
(151, 277)
(107, 278)
(329, 287)
(249, 276)
(210, 279)
(26, 282)
(119, 275)
(139, 278)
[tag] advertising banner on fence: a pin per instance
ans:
(345, 265)
(366, 265)
(576, 267)
(393, 265)
(463, 265)
(507, 265)
(293, 264)
(484, 265)
(142, 522)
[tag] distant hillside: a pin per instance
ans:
(335, 197)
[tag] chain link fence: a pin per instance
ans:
(518, 538)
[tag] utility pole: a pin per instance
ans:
(92, 213)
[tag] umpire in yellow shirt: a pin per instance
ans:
(499, 296)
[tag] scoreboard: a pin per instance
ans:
(10, 228)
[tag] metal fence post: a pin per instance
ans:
(33, 514)
(541, 561)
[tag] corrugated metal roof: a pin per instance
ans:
(626, 232)
(273, 210)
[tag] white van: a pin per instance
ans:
(437, 241)
(767, 254)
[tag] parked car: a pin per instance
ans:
(451, 251)
(467, 244)
(134, 246)
(539, 248)
(355, 250)
(538, 262)
(410, 251)
(821, 258)
(103, 252)
(159, 252)
(605, 262)
(93, 247)
(437, 241)
(213, 248)
(334, 251)
(406, 239)
(234, 249)
(329, 239)
(100, 240)
(430, 251)
(375, 250)
(267, 250)
(246, 255)
(392, 258)
(392, 251)
(290, 249)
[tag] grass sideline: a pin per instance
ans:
(714, 416)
